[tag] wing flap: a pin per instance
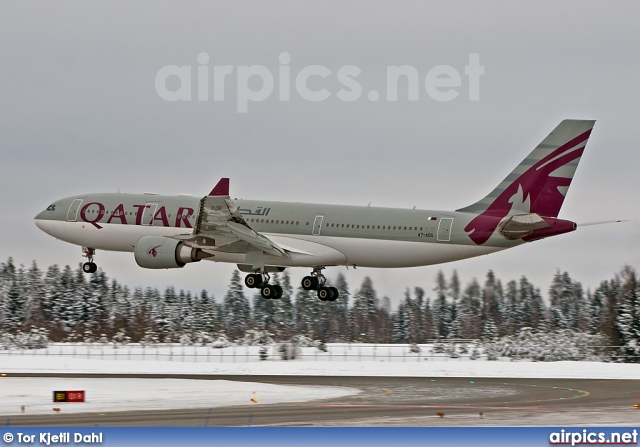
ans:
(257, 240)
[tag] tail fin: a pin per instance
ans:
(539, 184)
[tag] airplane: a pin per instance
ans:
(264, 237)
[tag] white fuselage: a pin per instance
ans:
(312, 234)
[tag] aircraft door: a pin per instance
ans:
(317, 225)
(72, 214)
(444, 229)
(149, 212)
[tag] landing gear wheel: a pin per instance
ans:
(253, 281)
(89, 266)
(278, 290)
(325, 293)
(310, 283)
(335, 294)
(269, 291)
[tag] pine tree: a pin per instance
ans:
(511, 318)
(400, 325)
(96, 311)
(468, 314)
(34, 313)
(454, 286)
(610, 292)
(441, 309)
(490, 330)
(236, 308)
(596, 311)
(418, 312)
(306, 309)
(365, 313)
(430, 329)
(492, 300)
(13, 300)
(568, 306)
(342, 308)
(628, 316)
(285, 316)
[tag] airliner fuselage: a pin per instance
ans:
(313, 234)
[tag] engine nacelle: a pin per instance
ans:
(156, 252)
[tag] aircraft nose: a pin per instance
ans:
(43, 221)
(40, 216)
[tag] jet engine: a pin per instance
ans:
(156, 252)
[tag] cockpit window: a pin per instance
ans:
(51, 207)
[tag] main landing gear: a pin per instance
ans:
(317, 281)
(261, 281)
(90, 266)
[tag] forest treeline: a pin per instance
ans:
(74, 306)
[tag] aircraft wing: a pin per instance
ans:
(220, 224)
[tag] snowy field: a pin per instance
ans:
(103, 395)
(340, 360)
(149, 394)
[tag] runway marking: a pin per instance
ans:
(387, 391)
(398, 406)
(364, 394)
(583, 393)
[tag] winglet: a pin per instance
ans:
(221, 189)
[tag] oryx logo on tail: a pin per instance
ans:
(537, 185)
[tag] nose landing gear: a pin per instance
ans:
(90, 266)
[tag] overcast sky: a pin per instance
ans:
(80, 113)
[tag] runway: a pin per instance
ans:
(387, 401)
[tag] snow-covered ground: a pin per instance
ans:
(103, 395)
(340, 360)
(138, 394)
